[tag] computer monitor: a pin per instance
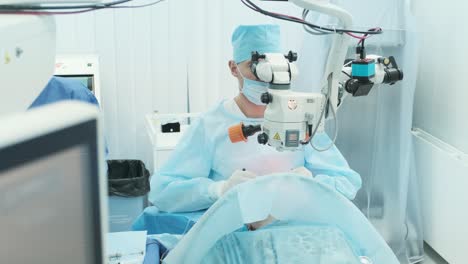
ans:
(86, 79)
(52, 187)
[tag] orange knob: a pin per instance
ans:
(236, 134)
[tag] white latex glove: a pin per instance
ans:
(238, 177)
(219, 188)
(302, 171)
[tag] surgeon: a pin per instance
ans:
(205, 164)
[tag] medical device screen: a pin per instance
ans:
(49, 200)
(86, 80)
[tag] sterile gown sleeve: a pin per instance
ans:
(331, 168)
(183, 182)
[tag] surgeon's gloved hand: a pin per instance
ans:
(302, 171)
(219, 188)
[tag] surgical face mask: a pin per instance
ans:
(253, 90)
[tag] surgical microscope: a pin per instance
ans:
(292, 118)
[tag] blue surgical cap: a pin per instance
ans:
(261, 38)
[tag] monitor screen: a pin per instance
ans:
(49, 198)
(86, 80)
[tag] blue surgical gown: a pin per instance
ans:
(59, 89)
(205, 155)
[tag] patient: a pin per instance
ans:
(205, 164)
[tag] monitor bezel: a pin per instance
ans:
(33, 149)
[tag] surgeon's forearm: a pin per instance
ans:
(182, 195)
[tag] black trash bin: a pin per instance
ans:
(128, 183)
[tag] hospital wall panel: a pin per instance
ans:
(440, 102)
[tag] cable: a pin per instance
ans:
(256, 8)
(315, 32)
(41, 10)
(334, 137)
(305, 13)
(346, 74)
(45, 13)
(327, 99)
(366, 36)
(310, 30)
(60, 7)
(139, 6)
